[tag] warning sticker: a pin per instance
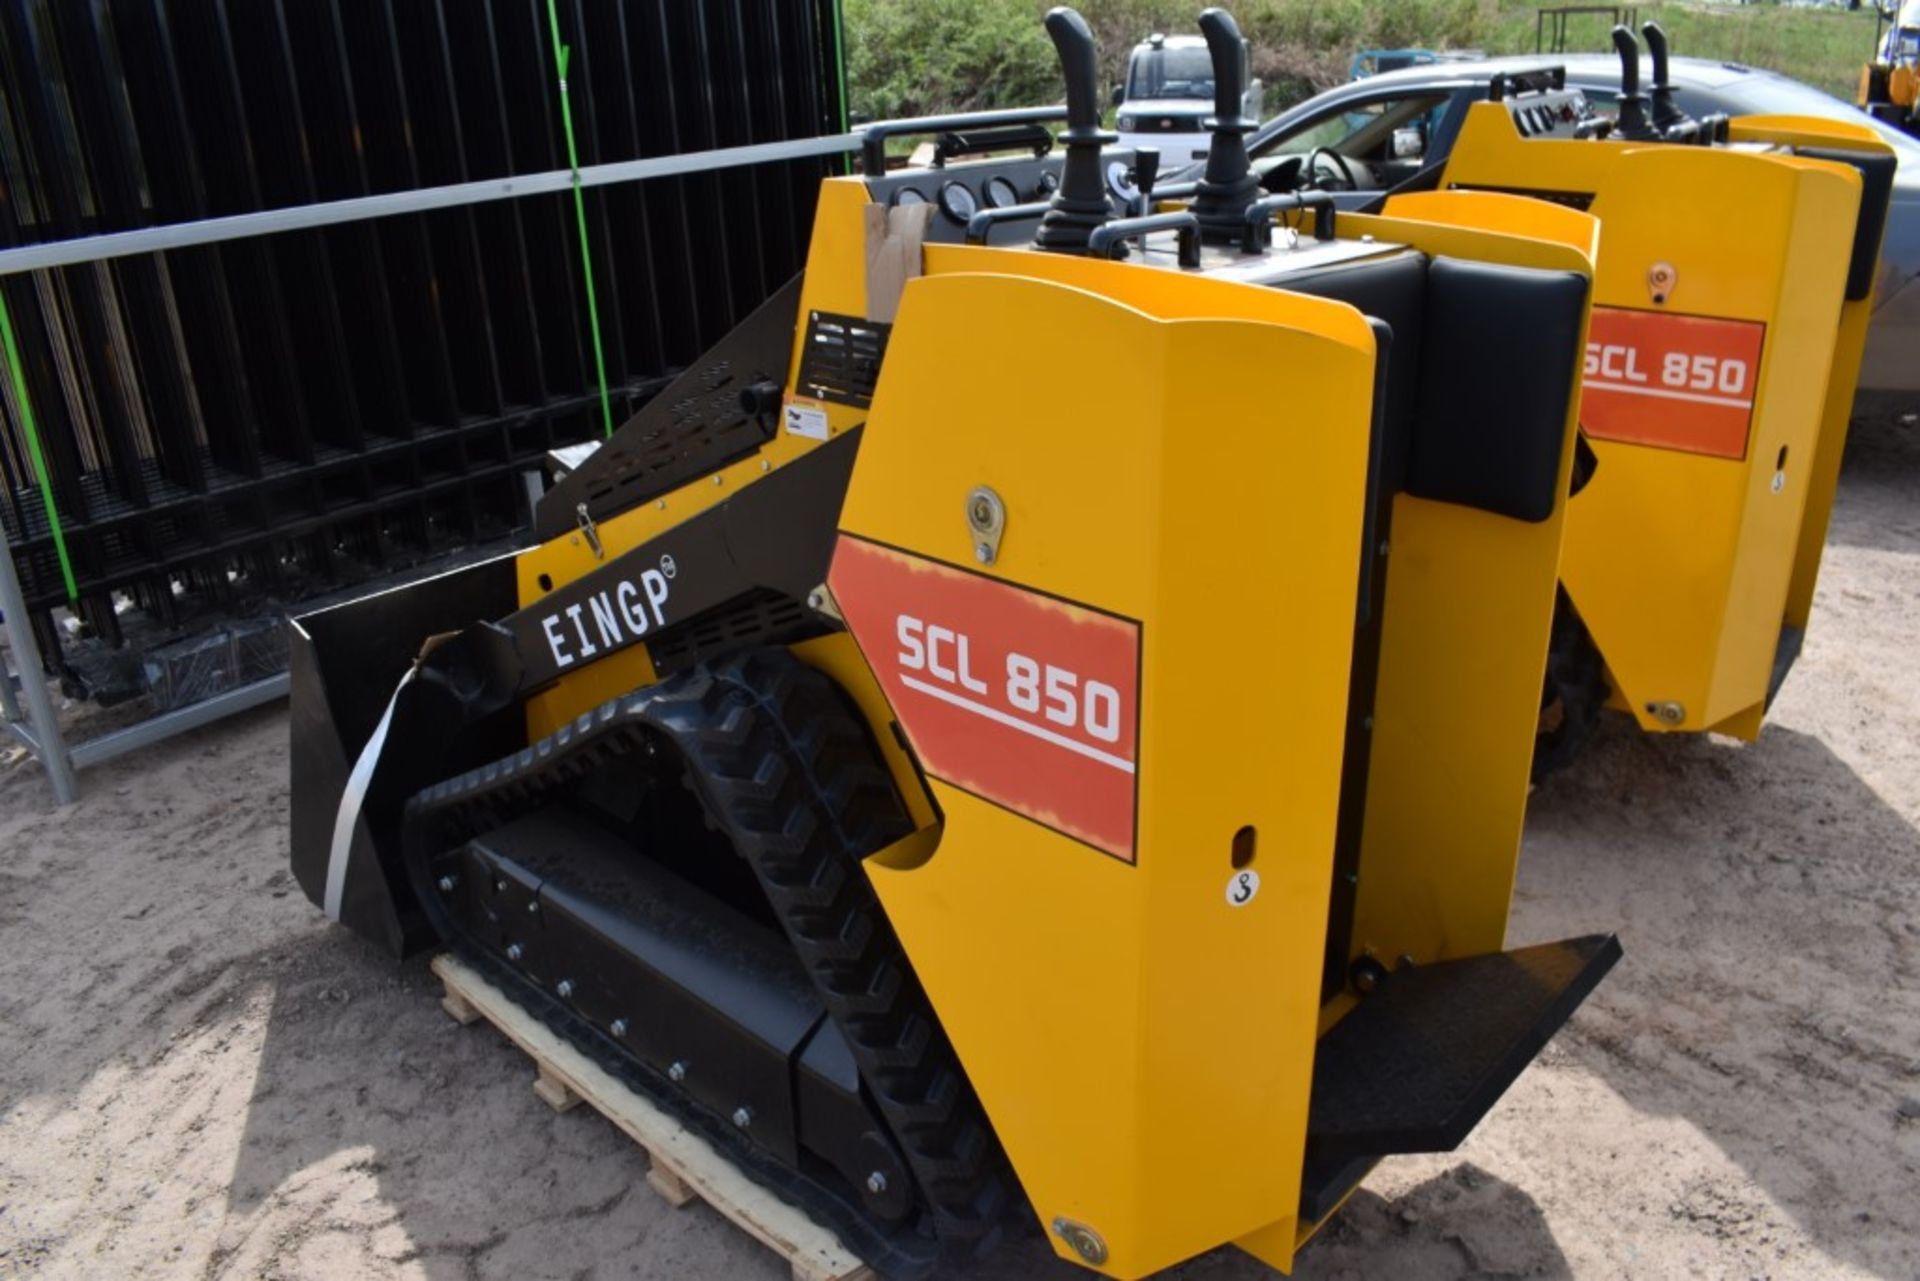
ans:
(1671, 381)
(806, 418)
(1018, 697)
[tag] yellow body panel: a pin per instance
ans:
(1684, 566)
(1177, 1031)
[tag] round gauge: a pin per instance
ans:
(1120, 182)
(909, 196)
(957, 203)
(1001, 193)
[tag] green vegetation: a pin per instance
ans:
(909, 57)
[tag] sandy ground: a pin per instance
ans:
(200, 1079)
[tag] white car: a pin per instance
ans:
(1168, 97)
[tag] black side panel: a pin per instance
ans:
(1502, 351)
(1417, 1064)
(1392, 294)
(696, 424)
(1876, 193)
(775, 534)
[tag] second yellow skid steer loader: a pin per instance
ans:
(969, 748)
(1732, 293)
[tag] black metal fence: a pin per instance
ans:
(235, 426)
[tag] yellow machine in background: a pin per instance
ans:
(1890, 80)
(1731, 301)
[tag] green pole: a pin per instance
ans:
(34, 452)
(561, 54)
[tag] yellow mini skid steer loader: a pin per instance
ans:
(971, 750)
(1732, 293)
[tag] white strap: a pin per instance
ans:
(356, 791)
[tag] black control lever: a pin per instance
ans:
(1665, 114)
(1146, 171)
(1229, 184)
(1257, 234)
(1109, 241)
(1631, 122)
(1080, 205)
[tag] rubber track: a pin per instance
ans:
(785, 770)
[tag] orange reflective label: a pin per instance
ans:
(1671, 381)
(1022, 699)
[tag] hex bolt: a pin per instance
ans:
(446, 885)
(743, 1117)
(678, 1072)
(876, 1183)
(619, 1027)
(515, 951)
(564, 988)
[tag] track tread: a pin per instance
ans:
(784, 767)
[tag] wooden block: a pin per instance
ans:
(554, 1091)
(809, 1270)
(684, 1165)
(674, 1189)
(459, 1008)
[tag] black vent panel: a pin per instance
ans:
(842, 359)
(761, 617)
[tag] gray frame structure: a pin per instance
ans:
(29, 718)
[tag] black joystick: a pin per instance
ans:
(1146, 172)
(1220, 200)
(1665, 114)
(1631, 123)
(1080, 205)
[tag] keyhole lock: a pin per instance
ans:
(986, 522)
(1661, 281)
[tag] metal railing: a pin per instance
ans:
(298, 299)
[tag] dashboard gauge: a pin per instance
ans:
(1120, 181)
(1001, 193)
(958, 203)
(909, 196)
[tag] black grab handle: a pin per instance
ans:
(1108, 241)
(1259, 230)
(873, 142)
(982, 224)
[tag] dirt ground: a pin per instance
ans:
(200, 1078)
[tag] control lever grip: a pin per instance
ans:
(1631, 122)
(1228, 184)
(1080, 205)
(1665, 114)
(1109, 241)
(1259, 232)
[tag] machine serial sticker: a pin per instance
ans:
(1671, 381)
(1022, 699)
(805, 418)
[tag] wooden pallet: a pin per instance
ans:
(683, 1165)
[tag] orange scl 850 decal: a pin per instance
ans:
(1671, 381)
(1020, 698)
